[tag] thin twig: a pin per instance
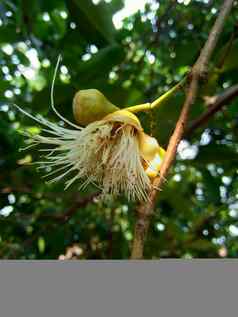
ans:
(80, 203)
(198, 71)
(71, 211)
(220, 101)
(228, 48)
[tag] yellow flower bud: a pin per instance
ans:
(91, 105)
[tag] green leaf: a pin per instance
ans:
(215, 153)
(201, 245)
(211, 187)
(41, 244)
(63, 96)
(100, 64)
(92, 19)
(8, 34)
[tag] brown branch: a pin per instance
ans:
(55, 221)
(198, 71)
(80, 203)
(220, 101)
(228, 47)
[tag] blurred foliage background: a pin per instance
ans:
(132, 60)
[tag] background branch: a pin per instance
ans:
(198, 71)
(220, 101)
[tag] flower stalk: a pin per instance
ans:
(156, 103)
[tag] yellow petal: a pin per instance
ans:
(162, 152)
(149, 146)
(152, 153)
(154, 166)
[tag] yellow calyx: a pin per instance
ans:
(126, 117)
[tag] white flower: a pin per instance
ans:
(113, 153)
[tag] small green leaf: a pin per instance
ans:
(41, 244)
